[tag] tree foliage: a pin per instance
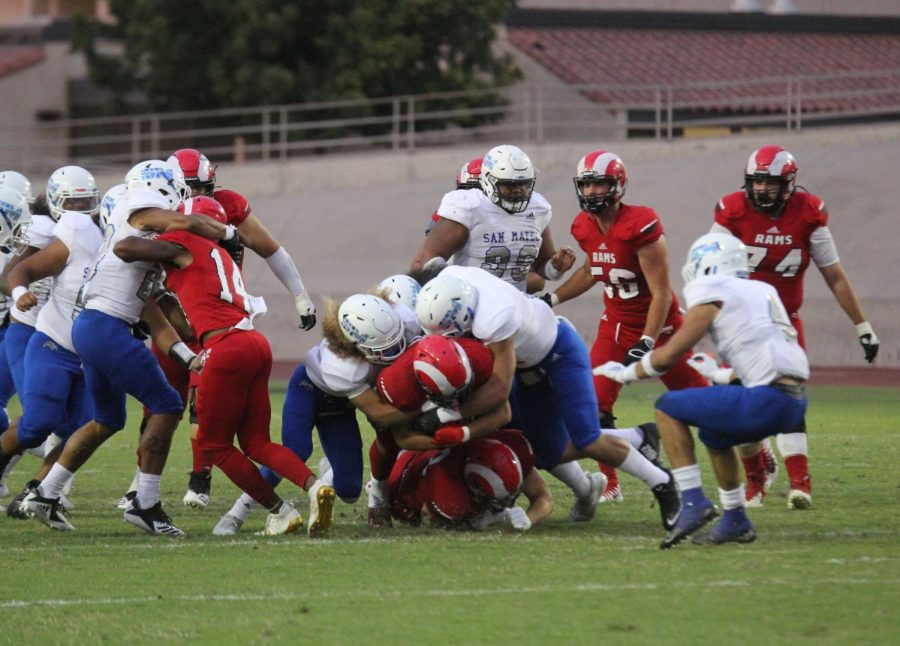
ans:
(213, 53)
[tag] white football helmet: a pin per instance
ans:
(109, 202)
(373, 326)
(15, 218)
(446, 305)
(72, 183)
(19, 182)
(401, 288)
(507, 165)
(716, 253)
(162, 177)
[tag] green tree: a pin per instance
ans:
(224, 53)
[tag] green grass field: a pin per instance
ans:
(828, 575)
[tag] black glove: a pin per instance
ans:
(428, 423)
(636, 352)
(546, 298)
(869, 343)
(140, 331)
(235, 248)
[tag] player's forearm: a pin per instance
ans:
(410, 439)
(540, 501)
(846, 297)
(657, 314)
(577, 284)
(493, 395)
(490, 422)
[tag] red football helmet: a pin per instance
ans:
(770, 163)
(203, 205)
(469, 176)
(493, 472)
(199, 173)
(442, 368)
(600, 166)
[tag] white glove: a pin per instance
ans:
(617, 372)
(707, 366)
(306, 309)
(518, 519)
(486, 519)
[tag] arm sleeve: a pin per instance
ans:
(822, 248)
(282, 265)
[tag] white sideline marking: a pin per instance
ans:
(582, 587)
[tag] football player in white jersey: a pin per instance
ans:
(752, 331)
(115, 296)
(336, 378)
(542, 366)
(503, 228)
(53, 397)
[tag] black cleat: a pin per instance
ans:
(727, 531)
(152, 520)
(15, 509)
(649, 447)
(669, 499)
(692, 518)
(47, 510)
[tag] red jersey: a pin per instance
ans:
(614, 261)
(436, 480)
(779, 246)
(236, 206)
(210, 289)
(398, 386)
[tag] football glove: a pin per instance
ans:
(450, 435)
(868, 340)
(618, 372)
(435, 417)
(707, 366)
(638, 350)
(306, 309)
(518, 518)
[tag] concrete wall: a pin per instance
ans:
(351, 220)
(842, 7)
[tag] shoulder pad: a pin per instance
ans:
(539, 202)
(236, 206)
(641, 222)
(811, 207)
(462, 198)
(731, 207)
(580, 228)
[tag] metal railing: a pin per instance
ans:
(526, 114)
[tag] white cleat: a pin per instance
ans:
(125, 501)
(286, 520)
(228, 525)
(771, 461)
(379, 510)
(48, 511)
(798, 499)
(152, 520)
(585, 509)
(321, 510)
(612, 494)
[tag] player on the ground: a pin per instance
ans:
(555, 404)
(502, 228)
(751, 330)
(471, 486)
(627, 254)
(200, 175)
(784, 229)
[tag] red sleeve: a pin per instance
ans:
(237, 208)
(814, 210)
(730, 208)
(580, 229)
(643, 227)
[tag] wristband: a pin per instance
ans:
(466, 433)
(182, 354)
(554, 299)
(230, 232)
(647, 365)
(551, 272)
(863, 328)
(17, 292)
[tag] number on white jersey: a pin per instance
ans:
(496, 261)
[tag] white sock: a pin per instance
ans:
(631, 435)
(134, 480)
(242, 507)
(792, 444)
(148, 490)
(640, 467)
(733, 499)
(574, 478)
(328, 477)
(687, 477)
(53, 484)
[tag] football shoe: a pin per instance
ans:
(691, 518)
(47, 510)
(152, 520)
(197, 494)
(669, 500)
(321, 510)
(379, 510)
(16, 509)
(286, 520)
(586, 508)
(228, 525)
(732, 528)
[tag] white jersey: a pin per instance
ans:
(40, 234)
(504, 244)
(83, 237)
(5, 301)
(752, 332)
(503, 312)
(351, 376)
(112, 285)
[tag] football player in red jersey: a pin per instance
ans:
(784, 229)
(626, 252)
(232, 391)
(472, 485)
(200, 175)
